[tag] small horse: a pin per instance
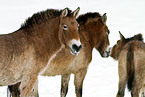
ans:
(130, 53)
(26, 52)
(93, 32)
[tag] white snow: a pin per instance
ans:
(127, 16)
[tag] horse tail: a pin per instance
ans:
(130, 68)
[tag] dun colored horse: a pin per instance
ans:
(25, 53)
(93, 33)
(130, 53)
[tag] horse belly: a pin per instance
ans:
(12, 73)
(9, 77)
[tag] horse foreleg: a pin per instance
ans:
(28, 81)
(64, 84)
(26, 87)
(34, 92)
(15, 92)
(78, 81)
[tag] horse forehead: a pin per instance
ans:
(70, 21)
(90, 20)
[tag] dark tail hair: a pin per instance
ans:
(130, 68)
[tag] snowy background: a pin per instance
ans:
(127, 16)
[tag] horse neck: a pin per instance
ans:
(85, 37)
(88, 36)
(45, 37)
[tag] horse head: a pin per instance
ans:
(102, 41)
(69, 31)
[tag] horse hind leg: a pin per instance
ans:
(142, 94)
(137, 85)
(64, 84)
(122, 80)
(121, 89)
(143, 91)
(134, 92)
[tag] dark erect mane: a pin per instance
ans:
(42, 16)
(136, 37)
(82, 19)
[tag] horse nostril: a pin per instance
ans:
(74, 46)
(77, 48)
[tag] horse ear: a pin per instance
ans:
(121, 36)
(64, 13)
(104, 17)
(76, 12)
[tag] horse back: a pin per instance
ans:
(134, 49)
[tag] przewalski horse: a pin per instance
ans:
(25, 53)
(130, 53)
(93, 33)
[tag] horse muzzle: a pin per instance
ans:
(106, 54)
(75, 47)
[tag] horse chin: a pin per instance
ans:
(106, 54)
(74, 52)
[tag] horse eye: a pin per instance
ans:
(78, 26)
(108, 32)
(65, 27)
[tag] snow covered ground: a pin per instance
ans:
(127, 16)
